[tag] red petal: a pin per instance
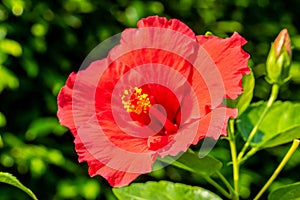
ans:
(230, 59)
(159, 142)
(162, 22)
(64, 101)
(99, 137)
(114, 177)
(214, 124)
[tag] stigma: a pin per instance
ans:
(135, 101)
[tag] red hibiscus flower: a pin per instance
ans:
(156, 93)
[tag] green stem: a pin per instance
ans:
(217, 186)
(279, 168)
(224, 180)
(208, 179)
(273, 96)
(235, 164)
(250, 153)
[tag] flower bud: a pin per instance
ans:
(279, 59)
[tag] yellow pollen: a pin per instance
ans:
(134, 100)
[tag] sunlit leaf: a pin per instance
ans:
(3, 30)
(295, 72)
(284, 137)
(24, 153)
(90, 189)
(84, 187)
(7, 79)
(10, 47)
(163, 190)
(37, 167)
(280, 125)
(83, 6)
(205, 166)
(16, 6)
(44, 126)
(11, 180)
(39, 44)
(38, 29)
(30, 65)
(73, 21)
(287, 192)
(230, 26)
(2, 120)
(155, 7)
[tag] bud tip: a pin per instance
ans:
(282, 41)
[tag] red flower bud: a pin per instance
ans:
(279, 59)
(282, 41)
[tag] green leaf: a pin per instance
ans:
(282, 138)
(205, 166)
(280, 125)
(295, 72)
(287, 192)
(163, 190)
(72, 188)
(7, 79)
(11, 47)
(11, 180)
(243, 101)
(43, 126)
(2, 120)
(30, 66)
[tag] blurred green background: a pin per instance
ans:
(41, 42)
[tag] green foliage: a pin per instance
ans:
(205, 166)
(281, 124)
(11, 180)
(68, 189)
(287, 192)
(44, 126)
(2, 120)
(243, 101)
(163, 190)
(10, 47)
(8, 79)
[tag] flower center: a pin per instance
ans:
(134, 100)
